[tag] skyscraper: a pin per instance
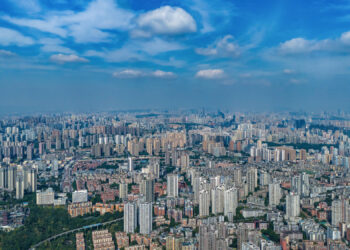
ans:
(123, 190)
(147, 190)
(336, 212)
(274, 194)
(130, 164)
(145, 218)
(130, 217)
(204, 203)
(217, 200)
(292, 205)
(172, 185)
(252, 179)
(230, 202)
(19, 187)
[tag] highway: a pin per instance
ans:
(74, 230)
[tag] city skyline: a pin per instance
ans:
(103, 55)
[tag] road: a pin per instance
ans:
(74, 230)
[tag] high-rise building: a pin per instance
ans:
(80, 196)
(130, 217)
(123, 190)
(336, 212)
(19, 187)
(11, 178)
(172, 185)
(292, 205)
(237, 177)
(45, 197)
(130, 164)
(252, 179)
(217, 200)
(204, 203)
(147, 190)
(145, 219)
(230, 202)
(274, 194)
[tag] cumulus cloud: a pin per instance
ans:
(210, 73)
(137, 51)
(288, 71)
(6, 53)
(298, 45)
(345, 38)
(163, 74)
(88, 26)
(165, 20)
(54, 45)
(224, 47)
(27, 5)
(62, 58)
(12, 37)
(132, 73)
(128, 73)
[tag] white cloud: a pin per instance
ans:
(12, 37)
(166, 20)
(288, 71)
(156, 46)
(132, 73)
(6, 53)
(212, 12)
(163, 74)
(128, 73)
(210, 73)
(28, 5)
(62, 58)
(301, 45)
(87, 26)
(54, 45)
(137, 51)
(345, 38)
(224, 47)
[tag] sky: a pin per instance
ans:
(240, 55)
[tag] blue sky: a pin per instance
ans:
(65, 55)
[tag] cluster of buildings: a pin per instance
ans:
(188, 180)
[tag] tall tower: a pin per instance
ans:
(252, 179)
(145, 218)
(19, 187)
(292, 205)
(147, 189)
(172, 185)
(204, 203)
(230, 201)
(130, 217)
(274, 194)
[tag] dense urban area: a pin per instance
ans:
(175, 180)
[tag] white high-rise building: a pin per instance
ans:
(173, 185)
(204, 203)
(292, 205)
(123, 190)
(230, 201)
(130, 164)
(130, 217)
(19, 187)
(274, 194)
(336, 212)
(45, 197)
(145, 218)
(217, 200)
(252, 179)
(80, 196)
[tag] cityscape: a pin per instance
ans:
(174, 125)
(181, 180)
